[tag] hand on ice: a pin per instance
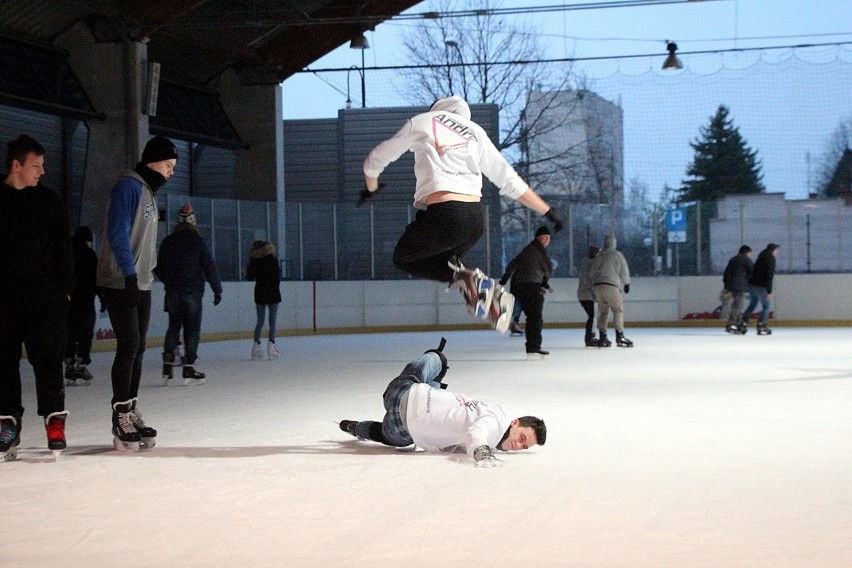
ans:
(484, 458)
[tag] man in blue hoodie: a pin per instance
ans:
(125, 274)
(183, 265)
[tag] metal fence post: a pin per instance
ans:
(698, 234)
(372, 242)
(488, 239)
(301, 245)
(571, 271)
(334, 222)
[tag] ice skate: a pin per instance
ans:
(272, 351)
(537, 355)
(502, 306)
(256, 351)
(515, 331)
(148, 434)
(70, 372)
(591, 341)
(168, 367)
(348, 426)
(622, 341)
(732, 328)
(762, 329)
(54, 424)
(603, 340)
(191, 377)
(10, 437)
(82, 375)
(475, 286)
(125, 436)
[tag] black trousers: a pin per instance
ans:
(36, 319)
(437, 234)
(589, 306)
(532, 303)
(81, 329)
(130, 325)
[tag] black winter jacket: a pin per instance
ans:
(266, 271)
(738, 273)
(185, 262)
(35, 241)
(531, 266)
(85, 275)
(764, 270)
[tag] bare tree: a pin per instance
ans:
(839, 143)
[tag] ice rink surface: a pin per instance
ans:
(694, 449)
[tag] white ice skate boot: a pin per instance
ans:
(271, 351)
(256, 351)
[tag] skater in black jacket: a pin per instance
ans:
(529, 272)
(35, 285)
(760, 288)
(735, 280)
(81, 312)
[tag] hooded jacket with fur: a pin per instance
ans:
(451, 153)
(264, 269)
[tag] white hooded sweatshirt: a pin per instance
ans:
(443, 421)
(451, 153)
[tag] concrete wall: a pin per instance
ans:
(418, 304)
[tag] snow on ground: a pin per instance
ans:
(695, 448)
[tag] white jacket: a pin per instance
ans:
(443, 421)
(451, 153)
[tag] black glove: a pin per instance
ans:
(554, 218)
(217, 297)
(367, 194)
(627, 288)
(131, 291)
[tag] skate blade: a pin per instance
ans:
(625, 344)
(193, 382)
(56, 454)
(125, 447)
(147, 443)
(10, 455)
(82, 382)
(536, 356)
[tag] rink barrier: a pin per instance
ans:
(336, 307)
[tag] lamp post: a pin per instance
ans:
(447, 45)
(360, 42)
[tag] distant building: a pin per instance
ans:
(575, 147)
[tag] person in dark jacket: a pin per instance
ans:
(264, 269)
(760, 288)
(735, 281)
(183, 264)
(81, 311)
(586, 294)
(36, 273)
(530, 271)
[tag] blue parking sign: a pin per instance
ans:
(677, 225)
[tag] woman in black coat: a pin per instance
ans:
(264, 269)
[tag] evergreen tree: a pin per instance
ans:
(723, 163)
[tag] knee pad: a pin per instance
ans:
(444, 365)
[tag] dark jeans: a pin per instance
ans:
(437, 234)
(184, 310)
(81, 329)
(589, 306)
(130, 325)
(424, 369)
(36, 319)
(532, 303)
(759, 295)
